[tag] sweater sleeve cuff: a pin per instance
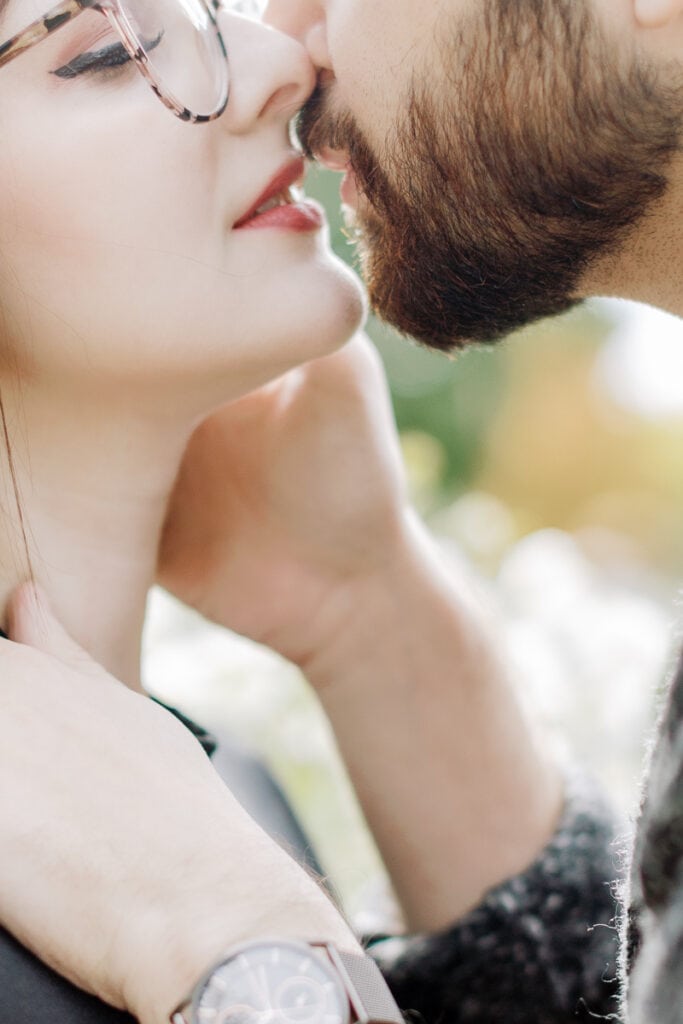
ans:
(541, 948)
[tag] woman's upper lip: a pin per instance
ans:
(289, 174)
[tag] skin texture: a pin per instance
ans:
(324, 430)
(360, 599)
(367, 53)
(131, 307)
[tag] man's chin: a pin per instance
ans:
(425, 302)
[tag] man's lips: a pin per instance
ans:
(348, 190)
(338, 160)
(276, 191)
(333, 159)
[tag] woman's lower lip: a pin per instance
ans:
(304, 216)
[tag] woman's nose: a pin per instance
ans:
(271, 74)
(304, 20)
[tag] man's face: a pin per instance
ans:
(497, 150)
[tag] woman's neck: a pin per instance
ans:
(93, 477)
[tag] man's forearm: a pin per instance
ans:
(456, 787)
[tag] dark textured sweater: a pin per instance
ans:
(652, 941)
(539, 949)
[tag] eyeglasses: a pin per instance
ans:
(175, 44)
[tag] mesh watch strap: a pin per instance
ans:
(367, 990)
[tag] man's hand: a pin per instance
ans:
(126, 863)
(290, 525)
(288, 500)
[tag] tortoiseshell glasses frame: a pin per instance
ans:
(115, 13)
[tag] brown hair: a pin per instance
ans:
(15, 489)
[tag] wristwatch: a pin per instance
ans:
(273, 981)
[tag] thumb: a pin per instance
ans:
(31, 621)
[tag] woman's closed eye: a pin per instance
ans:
(107, 59)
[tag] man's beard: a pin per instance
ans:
(493, 199)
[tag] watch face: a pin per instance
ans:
(273, 983)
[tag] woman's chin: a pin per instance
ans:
(340, 300)
(304, 313)
(259, 324)
(337, 309)
(307, 312)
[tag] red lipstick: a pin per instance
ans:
(280, 207)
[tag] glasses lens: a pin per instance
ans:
(247, 8)
(183, 50)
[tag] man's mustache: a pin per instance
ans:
(316, 128)
(319, 126)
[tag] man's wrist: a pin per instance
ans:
(407, 594)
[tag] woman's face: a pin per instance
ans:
(122, 255)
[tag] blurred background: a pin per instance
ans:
(553, 465)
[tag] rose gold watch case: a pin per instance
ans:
(370, 1001)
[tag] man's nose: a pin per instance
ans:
(304, 20)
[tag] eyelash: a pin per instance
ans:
(108, 59)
